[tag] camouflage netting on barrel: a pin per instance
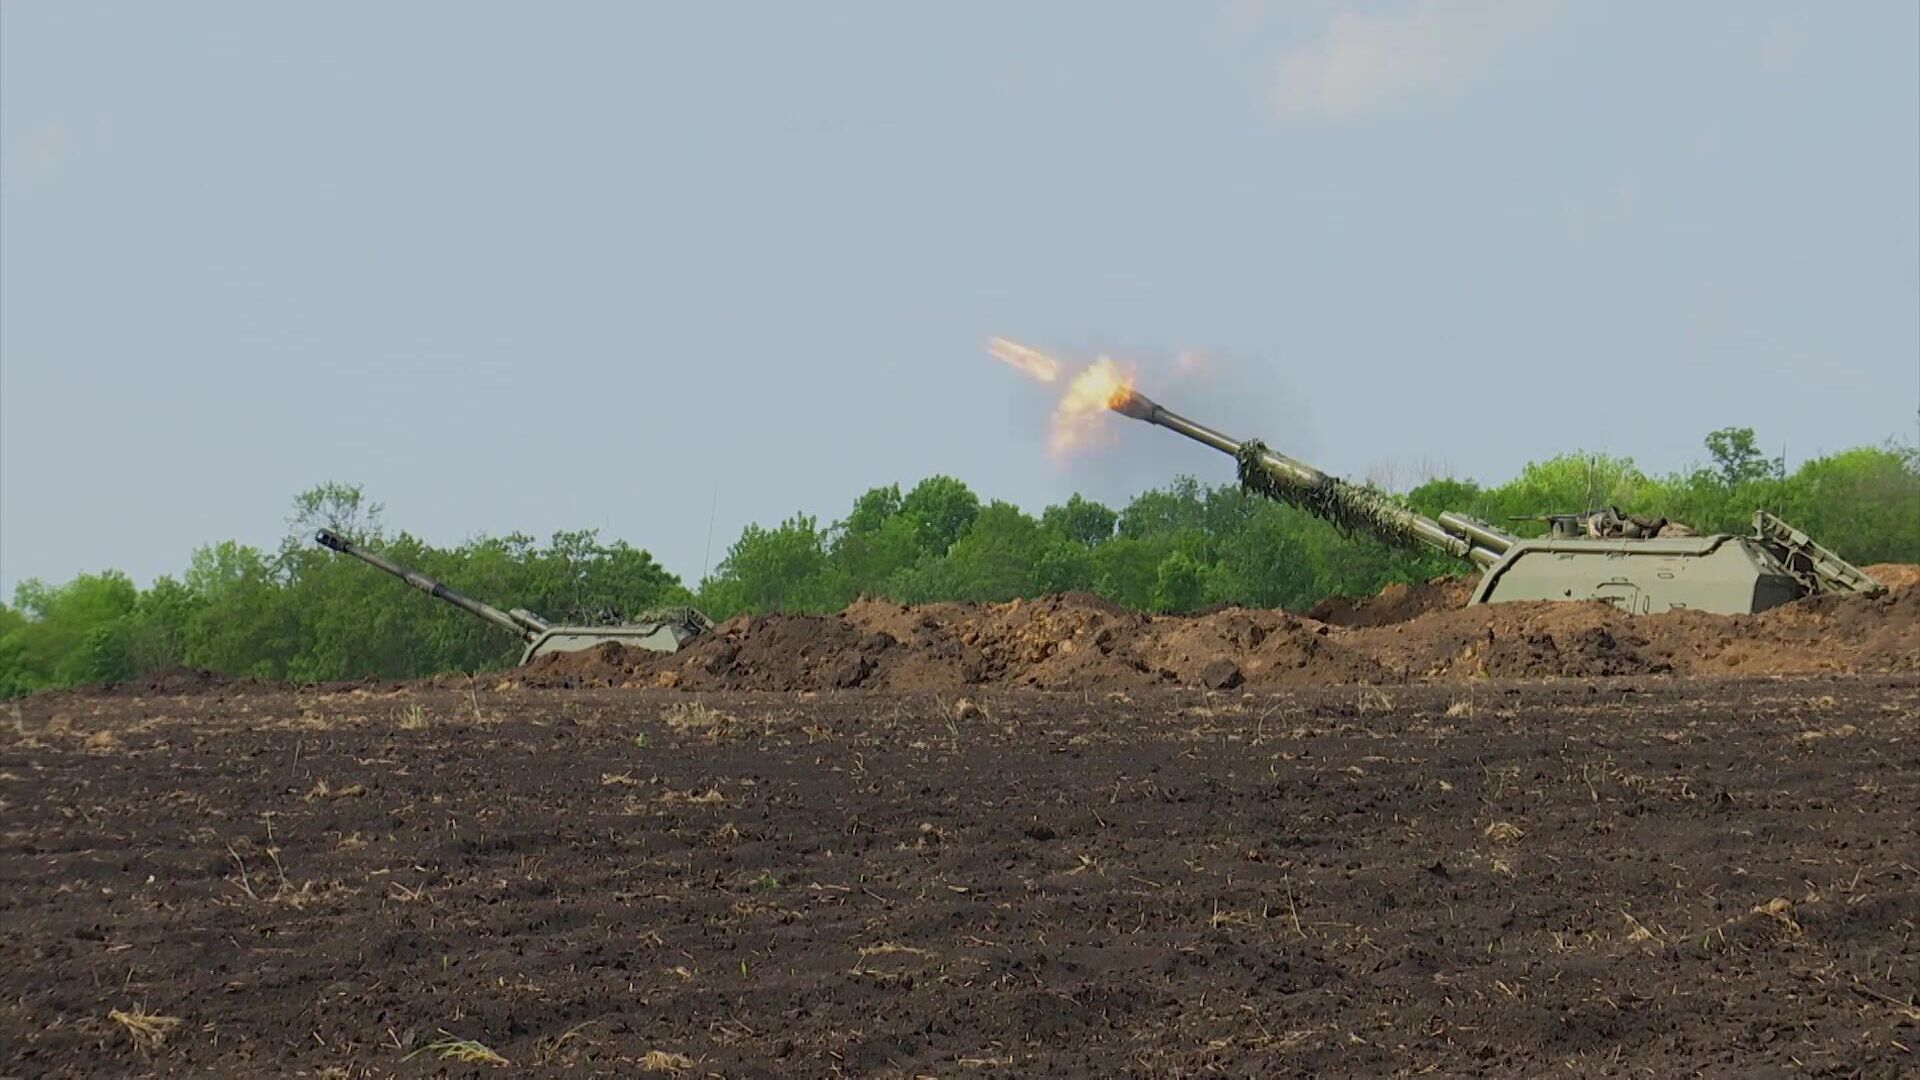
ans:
(1351, 509)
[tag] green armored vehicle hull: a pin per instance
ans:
(664, 635)
(1705, 573)
(664, 632)
(1640, 566)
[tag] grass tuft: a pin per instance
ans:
(322, 790)
(1780, 910)
(147, 1030)
(550, 1048)
(449, 1048)
(698, 718)
(890, 948)
(1504, 832)
(662, 1061)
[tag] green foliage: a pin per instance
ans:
(876, 542)
(996, 557)
(307, 614)
(1566, 484)
(1179, 507)
(1063, 566)
(940, 508)
(1439, 496)
(873, 510)
(786, 568)
(1179, 583)
(1863, 503)
(60, 635)
(1126, 569)
(244, 626)
(1082, 521)
(344, 508)
(1737, 458)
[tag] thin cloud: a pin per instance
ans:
(1364, 61)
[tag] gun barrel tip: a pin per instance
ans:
(1133, 403)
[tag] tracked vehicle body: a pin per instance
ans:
(1703, 573)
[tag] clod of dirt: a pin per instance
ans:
(1221, 674)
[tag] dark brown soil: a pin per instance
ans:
(1079, 642)
(172, 681)
(1395, 603)
(1650, 877)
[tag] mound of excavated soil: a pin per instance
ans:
(1395, 603)
(1894, 575)
(762, 652)
(173, 682)
(1081, 642)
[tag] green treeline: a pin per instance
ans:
(306, 614)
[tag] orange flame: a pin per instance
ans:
(1088, 395)
(1091, 393)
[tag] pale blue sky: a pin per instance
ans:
(529, 267)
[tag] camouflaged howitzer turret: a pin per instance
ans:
(1641, 565)
(661, 631)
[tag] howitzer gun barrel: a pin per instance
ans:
(522, 624)
(1329, 496)
(1477, 531)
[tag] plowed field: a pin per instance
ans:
(1644, 876)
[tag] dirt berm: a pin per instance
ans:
(1081, 642)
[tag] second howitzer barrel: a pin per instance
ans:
(523, 624)
(1348, 506)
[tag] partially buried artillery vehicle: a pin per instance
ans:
(664, 631)
(1640, 565)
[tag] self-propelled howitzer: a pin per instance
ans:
(659, 632)
(1637, 565)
